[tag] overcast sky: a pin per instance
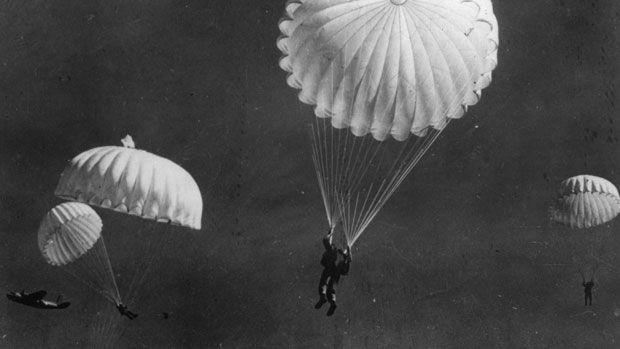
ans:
(462, 256)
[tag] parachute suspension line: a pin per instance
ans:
(319, 168)
(342, 167)
(96, 266)
(329, 159)
(598, 249)
(356, 169)
(329, 164)
(354, 182)
(333, 167)
(145, 265)
(347, 193)
(109, 270)
(94, 270)
(341, 156)
(322, 166)
(341, 161)
(359, 217)
(88, 269)
(105, 330)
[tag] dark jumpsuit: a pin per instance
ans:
(122, 308)
(587, 290)
(332, 271)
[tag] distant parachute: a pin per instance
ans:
(70, 237)
(382, 69)
(67, 232)
(133, 181)
(586, 201)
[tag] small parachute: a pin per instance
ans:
(585, 201)
(133, 181)
(67, 232)
(70, 237)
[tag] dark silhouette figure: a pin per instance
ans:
(587, 290)
(333, 268)
(36, 300)
(122, 308)
(165, 315)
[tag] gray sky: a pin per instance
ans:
(462, 255)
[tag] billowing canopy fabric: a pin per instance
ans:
(135, 182)
(389, 66)
(67, 232)
(586, 201)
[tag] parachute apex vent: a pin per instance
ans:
(128, 142)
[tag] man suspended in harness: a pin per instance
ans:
(587, 286)
(333, 268)
(587, 290)
(122, 308)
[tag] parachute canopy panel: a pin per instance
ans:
(389, 66)
(67, 232)
(133, 181)
(586, 201)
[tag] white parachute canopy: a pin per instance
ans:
(382, 69)
(133, 181)
(389, 66)
(585, 201)
(67, 232)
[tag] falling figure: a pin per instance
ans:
(587, 290)
(332, 270)
(122, 308)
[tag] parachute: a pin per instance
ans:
(135, 182)
(382, 72)
(585, 202)
(67, 232)
(70, 237)
(129, 181)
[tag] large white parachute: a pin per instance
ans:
(133, 181)
(382, 69)
(389, 66)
